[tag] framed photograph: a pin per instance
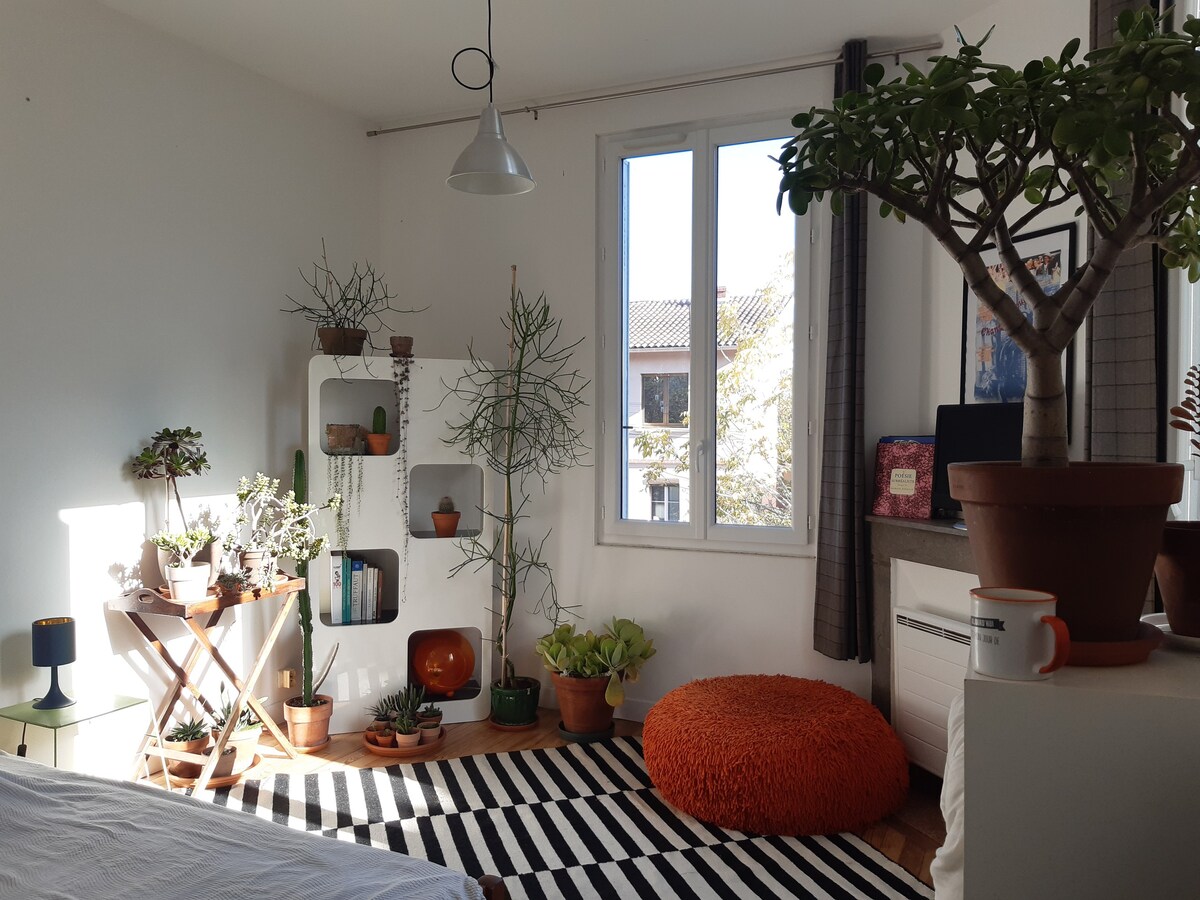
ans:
(993, 367)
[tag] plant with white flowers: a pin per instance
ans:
(281, 526)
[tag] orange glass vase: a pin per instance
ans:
(443, 661)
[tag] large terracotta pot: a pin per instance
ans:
(581, 701)
(308, 726)
(516, 707)
(1088, 533)
(341, 341)
(1178, 572)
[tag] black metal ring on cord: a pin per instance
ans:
(486, 54)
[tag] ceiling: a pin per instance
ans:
(389, 60)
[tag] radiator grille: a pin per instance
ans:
(930, 655)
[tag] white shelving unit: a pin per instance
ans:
(373, 659)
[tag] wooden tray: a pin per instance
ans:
(404, 751)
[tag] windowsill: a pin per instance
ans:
(797, 551)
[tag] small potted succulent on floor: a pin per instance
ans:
(246, 732)
(407, 733)
(186, 737)
(385, 736)
(429, 713)
(589, 672)
(445, 520)
(379, 439)
(187, 580)
(382, 712)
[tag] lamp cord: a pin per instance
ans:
(23, 748)
(487, 54)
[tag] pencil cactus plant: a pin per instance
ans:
(520, 418)
(977, 151)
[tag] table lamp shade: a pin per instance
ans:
(54, 646)
(54, 641)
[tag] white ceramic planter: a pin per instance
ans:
(188, 584)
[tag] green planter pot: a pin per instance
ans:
(516, 706)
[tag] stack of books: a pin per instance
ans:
(357, 591)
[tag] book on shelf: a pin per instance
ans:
(356, 591)
(346, 564)
(335, 587)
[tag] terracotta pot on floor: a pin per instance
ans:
(1178, 572)
(1088, 534)
(308, 726)
(582, 704)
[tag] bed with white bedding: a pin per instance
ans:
(66, 836)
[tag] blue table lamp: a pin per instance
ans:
(54, 646)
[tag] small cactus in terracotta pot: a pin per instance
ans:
(378, 440)
(445, 520)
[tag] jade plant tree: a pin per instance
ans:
(173, 453)
(977, 152)
(520, 419)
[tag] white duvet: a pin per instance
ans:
(66, 836)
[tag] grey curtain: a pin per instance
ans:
(842, 622)
(1127, 353)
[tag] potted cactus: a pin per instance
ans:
(407, 732)
(379, 439)
(309, 713)
(445, 519)
(589, 672)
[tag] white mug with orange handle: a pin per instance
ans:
(1015, 634)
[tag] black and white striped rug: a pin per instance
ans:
(578, 822)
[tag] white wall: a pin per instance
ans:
(156, 205)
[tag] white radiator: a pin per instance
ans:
(930, 655)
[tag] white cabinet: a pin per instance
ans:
(418, 593)
(1084, 785)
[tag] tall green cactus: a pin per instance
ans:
(379, 421)
(304, 602)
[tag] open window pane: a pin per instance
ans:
(657, 285)
(755, 312)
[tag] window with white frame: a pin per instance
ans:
(664, 502)
(705, 318)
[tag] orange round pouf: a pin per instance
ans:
(772, 754)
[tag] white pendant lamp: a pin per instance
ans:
(490, 164)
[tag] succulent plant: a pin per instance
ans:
(191, 730)
(446, 505)
(429, 711)
(236, 582)
(405, 723)
(620, 652)
(379, 421)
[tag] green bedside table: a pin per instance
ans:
(80, 711)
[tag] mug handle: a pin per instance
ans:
(1062, 644)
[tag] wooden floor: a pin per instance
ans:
(908, 838)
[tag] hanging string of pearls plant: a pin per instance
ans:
(344, 474)
(401, 366)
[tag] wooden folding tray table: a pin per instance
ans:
(143, 606)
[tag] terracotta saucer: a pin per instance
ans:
(1116, 653)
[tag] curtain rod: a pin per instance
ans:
(672, 86)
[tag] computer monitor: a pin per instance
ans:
(971, 432)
